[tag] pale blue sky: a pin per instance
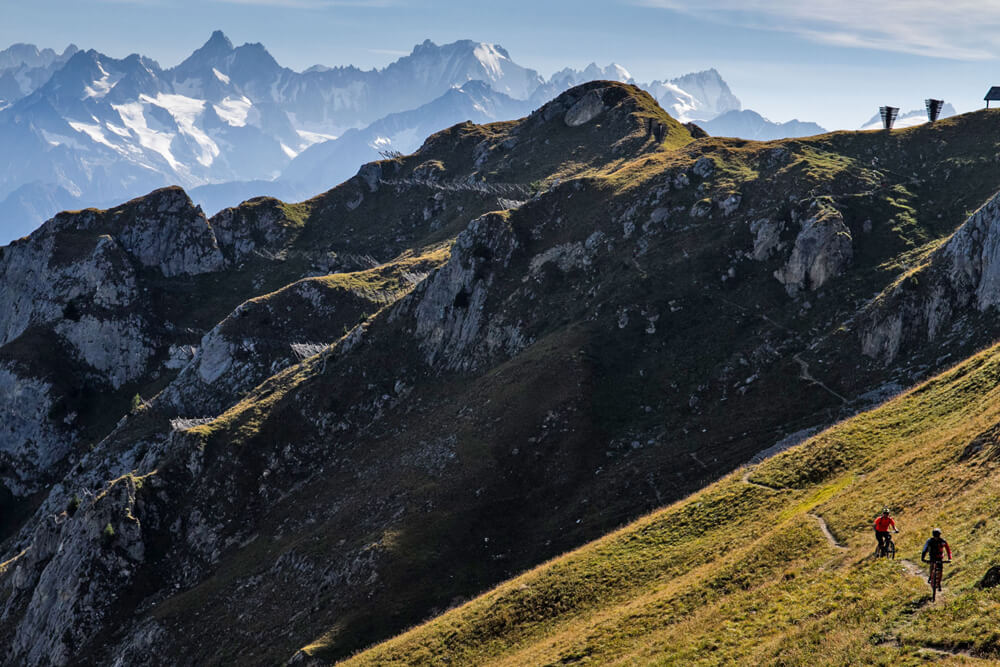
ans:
(829, 62)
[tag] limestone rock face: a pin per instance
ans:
(164, 230)
(30, 442)
(449, 305)
(587, 109)
(262, 337)
(118, 348)
(246, 229)
(371, 173)
(822, 250)
(38, 284)
(170, 233)
(77, 566)
(77, 317)
(766, 237)
(974, 257)
(962, 275)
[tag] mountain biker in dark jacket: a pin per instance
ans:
(935, 547)
(933, 552)
(882, 525)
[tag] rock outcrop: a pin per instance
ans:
(451, 322)
(822, 250)
(78, 315)
(588, 108)
(66, 583)
(962, 276)
(30, 443)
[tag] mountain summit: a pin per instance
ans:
(216, 48)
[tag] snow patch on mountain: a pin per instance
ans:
(696, 96)
(134, 118)
(101, 87)
(93, 131)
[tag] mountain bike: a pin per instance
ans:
(937, 569)
(887, 549)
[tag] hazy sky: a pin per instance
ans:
(831, 62)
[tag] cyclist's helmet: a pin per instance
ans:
(885, 511)
(936, 532)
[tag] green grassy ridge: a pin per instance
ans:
(350, 297)
(618, 599)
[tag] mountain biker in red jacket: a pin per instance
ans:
(882, 525)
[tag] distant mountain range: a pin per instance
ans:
(84, 129)
(23, 68)
(748, 124)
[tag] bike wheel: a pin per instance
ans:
(935, 580)
(891, 551)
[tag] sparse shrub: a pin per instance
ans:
(108, 534)
(73, 505)
(137, 404)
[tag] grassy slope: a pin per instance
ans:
(741, 572)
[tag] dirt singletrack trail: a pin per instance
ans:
(821, 522)
(808, 377)
(912, 568)
(746, 480)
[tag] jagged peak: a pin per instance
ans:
(217, 47)
(477, 86)
(424, 46)
(22, 48)
(257, 53)
(218, 40)
(80, 62)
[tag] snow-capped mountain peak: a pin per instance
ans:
(696, 96)
(465, 60)
(25, 67)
